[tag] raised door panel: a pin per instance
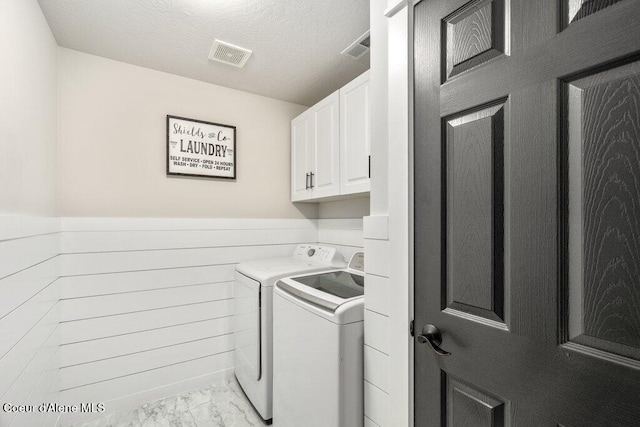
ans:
(325, 180)
(603, 142)
(301, 140)
(473, 35)
(574, 10)
(355, 136)
(472, 246)
(467, 406)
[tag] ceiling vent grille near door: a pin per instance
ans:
(359, 47)
(229, 54)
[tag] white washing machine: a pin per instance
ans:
(318, 347)
(253, 315)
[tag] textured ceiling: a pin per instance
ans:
(296, 43)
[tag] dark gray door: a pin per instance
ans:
(527, 212)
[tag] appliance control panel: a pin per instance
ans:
(357, 262)
(319, 254)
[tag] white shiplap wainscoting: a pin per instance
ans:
(146, 303)
(343, 234)
(376, 322)
(126, 311)
(29, 331)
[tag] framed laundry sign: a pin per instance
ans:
(198, 148)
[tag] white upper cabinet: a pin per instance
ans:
(330, 145)
(302, 129)
(355, 136)
(325, 174)
(315, 151)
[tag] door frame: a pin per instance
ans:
(401, 240)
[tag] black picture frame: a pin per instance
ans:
(194, 122)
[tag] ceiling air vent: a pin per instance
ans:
(229, 54)
(358, 47)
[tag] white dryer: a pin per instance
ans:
(253, 316)
(318, 342)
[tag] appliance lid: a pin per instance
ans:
(341, 284)
(306, 258)
(336, 295)
(270, 266)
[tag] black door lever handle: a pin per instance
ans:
(431, 334)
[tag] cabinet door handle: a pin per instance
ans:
(306, 181)
(311, 176)
(369, 166)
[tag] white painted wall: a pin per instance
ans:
(400, 41)
(350, 208)
(29, 289)
(378, 86)
(388, 231)
(112, 145)
(380, 374)
(27, 110)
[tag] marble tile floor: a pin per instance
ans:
(222, 404)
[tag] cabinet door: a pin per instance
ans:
(301, 144)
(354, 136)
(326, 171)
